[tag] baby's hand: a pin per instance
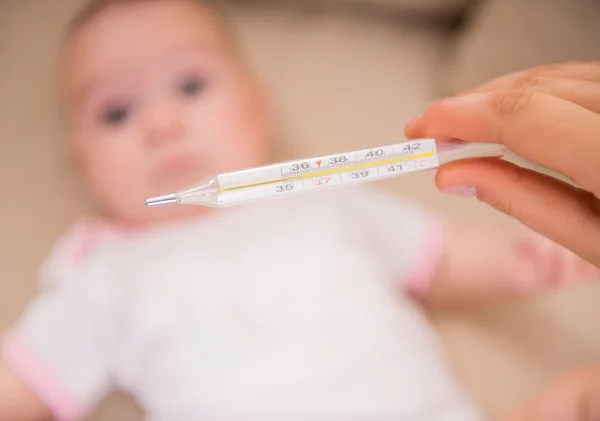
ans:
(17, 400)
(479, 267)
(541, 263)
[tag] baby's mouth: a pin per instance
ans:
(179, 171)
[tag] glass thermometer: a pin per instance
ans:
(291, 177)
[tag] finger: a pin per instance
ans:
(587, 72)
(540, 127)
(559, 211)
(582, 71)
(581, 92)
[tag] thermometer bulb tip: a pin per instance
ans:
(167, 199)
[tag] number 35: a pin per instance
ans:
(284, 187)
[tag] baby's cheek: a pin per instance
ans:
(246, 121)
(236, 146)
(249, 139)
(117, 179)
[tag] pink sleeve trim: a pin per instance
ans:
(427, 260)
(81, 239)
(41, 381)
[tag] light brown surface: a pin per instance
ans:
(427, 7)
(504, 36)
(337, 83)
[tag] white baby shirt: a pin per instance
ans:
(292, 309)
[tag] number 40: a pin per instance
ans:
(374, 153)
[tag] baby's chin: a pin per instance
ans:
(173, 213)
(149, 217)
(135, 214)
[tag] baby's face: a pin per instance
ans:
(157, 100)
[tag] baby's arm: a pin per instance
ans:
(56, 359)
(480, 266)
(442, 265)
(17, 401)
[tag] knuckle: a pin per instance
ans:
(530, 80)
(515, 99)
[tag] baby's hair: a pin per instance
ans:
(92, 8)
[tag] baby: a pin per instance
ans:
(293, 309)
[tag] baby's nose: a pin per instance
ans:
(165, 128)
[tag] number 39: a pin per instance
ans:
(360, 174)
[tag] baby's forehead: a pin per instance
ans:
(137, 31)
(137, 23)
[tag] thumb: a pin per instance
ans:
(565, 214)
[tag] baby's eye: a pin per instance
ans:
(192, 86)
(116, 115)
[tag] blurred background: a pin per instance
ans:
(342, 74)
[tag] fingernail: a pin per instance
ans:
(465, 191)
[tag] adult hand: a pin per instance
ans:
(549, 115)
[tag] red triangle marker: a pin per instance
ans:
(319, 163)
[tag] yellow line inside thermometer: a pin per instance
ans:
(332, 171)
